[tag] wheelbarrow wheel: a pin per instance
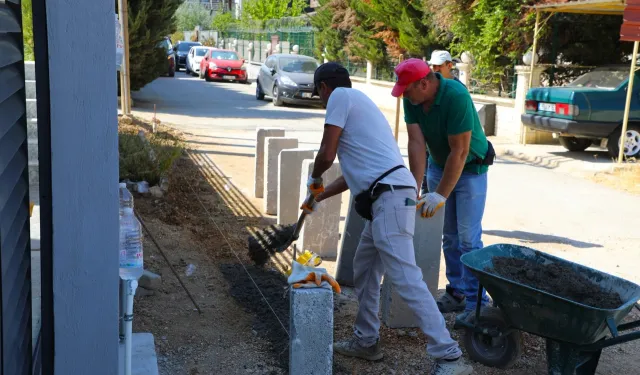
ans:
(501, 352)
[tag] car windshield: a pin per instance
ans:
(224, 55)
(293, 65)
(602, 78)
(185, 47)
(201, 51)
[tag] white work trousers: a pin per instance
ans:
(386, 248)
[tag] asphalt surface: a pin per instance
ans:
(529, 204)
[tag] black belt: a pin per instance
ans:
(383, 188)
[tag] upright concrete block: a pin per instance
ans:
(427, 243)
(320, 232)
(261, 134)
(353, 228)
(273, 147)
(290, 162)
(311, 330)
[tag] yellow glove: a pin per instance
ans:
(430, 203)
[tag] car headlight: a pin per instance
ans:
(287, 81)
(212, 66)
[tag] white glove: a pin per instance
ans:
(430, 203)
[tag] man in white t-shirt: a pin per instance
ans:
(358, 133)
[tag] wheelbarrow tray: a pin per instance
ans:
(542, 313)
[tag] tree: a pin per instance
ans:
(223, 21)
(262, 10)
(149, 22)
(334, 21)
(189, 15)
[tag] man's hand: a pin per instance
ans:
(430, 203)
(315, 186)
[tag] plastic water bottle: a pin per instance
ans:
(126, 199)
(131, 260)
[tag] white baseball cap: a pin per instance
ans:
(440, 57)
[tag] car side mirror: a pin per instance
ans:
(244, 61)
(273, 71)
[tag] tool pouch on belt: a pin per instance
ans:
(365, 199)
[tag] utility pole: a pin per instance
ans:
(125, 91)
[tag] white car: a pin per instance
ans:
(194, 57)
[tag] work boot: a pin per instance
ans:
(451, 301)
(448, 367)
(352, 348)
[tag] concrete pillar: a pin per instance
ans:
(465, 73)
(82, 247)
(261, 134)
(527, 135)
(369, 71)
(273, 147)
(427, 243)
(289, 171)
(353, 228)
(311, 330)
(320, 232)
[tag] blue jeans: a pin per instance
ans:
(462, 231)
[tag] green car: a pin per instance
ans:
(588, 110)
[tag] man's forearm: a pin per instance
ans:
(321, 164)
(452, 172)
(417, 161)
(338, 186)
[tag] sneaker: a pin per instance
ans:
(457, 367)
(451, 302)
(352, 348)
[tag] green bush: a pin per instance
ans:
(147, 161)
(27, 30)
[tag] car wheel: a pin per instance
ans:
(200, 75)
(259, 92)
(276, 98)
(631, 142)
(206, 76)
(575, 144)
(186, 70)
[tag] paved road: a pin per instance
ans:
(527, 204)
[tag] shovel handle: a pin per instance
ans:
(309, 202)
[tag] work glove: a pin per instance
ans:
(315, 186)
(310, 277)
(430, 203)
(308, 208)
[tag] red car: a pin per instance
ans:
(223, 65)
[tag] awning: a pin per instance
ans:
(607, 7)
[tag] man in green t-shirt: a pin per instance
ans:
(440, 114)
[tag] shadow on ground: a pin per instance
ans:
(533, 238)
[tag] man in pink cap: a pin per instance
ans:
(440, 115)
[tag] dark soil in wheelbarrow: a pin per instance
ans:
(557, 279)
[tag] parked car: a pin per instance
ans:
(194, 57)
(287, 79)
(181, 50)
(165, 44)
(223, 65)
(588, 110)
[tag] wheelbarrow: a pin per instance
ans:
(575, 333)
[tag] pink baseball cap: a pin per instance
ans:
(407, 72)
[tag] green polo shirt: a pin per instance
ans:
(452, 113)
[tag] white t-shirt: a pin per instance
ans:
(367, 147)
